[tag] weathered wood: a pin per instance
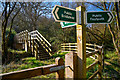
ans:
(92, 65)
(69, 43)
(22, 74)
(81, 43)
(33, 46)
(71, 61)
(69, 46)
(32, 72)
(46, 69)
(93, 45)
(92, 53)
(100, 65)
(91, 77)
(36, 53)
(60, 74)
(91, 48)
(26, 41)
(30, 44)
(70, 51)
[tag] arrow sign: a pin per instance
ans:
(64, 14)
(67, 24)
(103, 17)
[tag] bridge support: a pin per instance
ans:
(26, 42)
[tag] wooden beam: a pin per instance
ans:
(92, 65)
(32, 72)
(90, 54)
(91, 77)
(22, 74)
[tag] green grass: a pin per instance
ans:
(91, 71)
(112, 70)
(16, 51)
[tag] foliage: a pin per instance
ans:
(11, 38)
(111, 65)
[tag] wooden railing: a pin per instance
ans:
(91, 50)
(46, 45)
(32, 72)
(28, 38)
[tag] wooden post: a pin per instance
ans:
(33, 46)
(81, 43)
(60, 74)
(102, 56)
(30, 43)
(26, 41)
(95, 48)
(64, 47)
(69, 47)
(36, 53)
(100, 64)
(71, 62)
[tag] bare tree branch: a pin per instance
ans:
(95, 5)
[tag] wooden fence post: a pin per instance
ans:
(60, 74)
(95, 48)
(63, 46)
(69, 47)
(100, 64)
(33, 46)
(26, 41)
(30, 43)
(71, 62)
(36, 52)
(103, 56)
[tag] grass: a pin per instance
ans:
(112, 66)
(111, 70)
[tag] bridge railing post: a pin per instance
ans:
(26, 41)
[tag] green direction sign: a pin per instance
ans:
(64, 14)
(67, 24)
(103, 17)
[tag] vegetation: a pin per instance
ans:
(111, 66)
(20, 16)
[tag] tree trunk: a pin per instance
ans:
(118, 23)
(113, 38)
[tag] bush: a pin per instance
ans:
(11, 38)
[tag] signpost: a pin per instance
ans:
(100, 17)
(67, 24)
(64, 14)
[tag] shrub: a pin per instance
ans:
(11, 38)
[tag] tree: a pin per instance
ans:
(109, 6)
(8, 16)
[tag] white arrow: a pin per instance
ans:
(109, 17)
(56, 13)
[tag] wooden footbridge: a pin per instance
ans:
(33, 41)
